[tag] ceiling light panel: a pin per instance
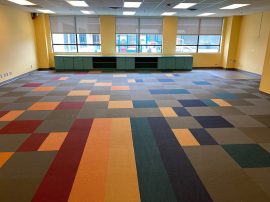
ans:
(45, 11)
(168, 13)
(78, 3)
(22, 2)
(129, 13)
(206, 14)
(132, 4)
(87, 12)
(234, 6)
(184, 5)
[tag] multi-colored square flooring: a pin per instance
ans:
(121, 137)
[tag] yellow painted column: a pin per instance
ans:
(169, 34)
(41, 41)
(232, 26)
(107, 32)
(265, 82)
(49, 39)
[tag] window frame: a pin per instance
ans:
(76, 40)
(198, 41)
(139, 45)
(138, 35)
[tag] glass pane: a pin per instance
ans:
(88, 39)
(150, 49)
(209, 39)
(208, 49)
(127, 49)
(89, 48)
(150, 39)
(187, 40)
(64, 38)
(127, 39)
(186, 49)
(64, 48)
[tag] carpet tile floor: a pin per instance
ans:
(120, 137)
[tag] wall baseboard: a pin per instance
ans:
(264, 93)
(46, 69)
(249, 72)
(207, 68)
(15, 78)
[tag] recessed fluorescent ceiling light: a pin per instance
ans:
(45, 11)
(22, 2)
(129, 13)
(168, 13)
(78, 3)
(206, 14)
(132, 4)
(87, 12)
(235, 6)
(184, 5)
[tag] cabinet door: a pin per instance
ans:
(180, 63)
(170, 63)
(87, 63)
(166, 63)
(78, 63)
(59, 63)
(68, 63)
(188, 63)
(161, 63)
(121, 63)
(130, 63)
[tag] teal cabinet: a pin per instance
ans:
(130, 63)
(59, 63)
(166, 63)
(120, 63)
(68, 63)
(180, 63)
(188, 63)
(83, 63)
(78, 63)
(125, 63)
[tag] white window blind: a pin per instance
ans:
(151, 25)
(127, 25)
(86, 24)
(211, 26)
(63, 24)
(188, 26)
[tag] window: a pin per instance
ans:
(75, 34)
(138, 35)
(199, 35)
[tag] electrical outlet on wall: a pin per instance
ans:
(6, 74)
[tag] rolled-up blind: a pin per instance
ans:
(127, 25)
(86, 24)
(151, 25)
(63, 24)
(211, 26)
(188, 26)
